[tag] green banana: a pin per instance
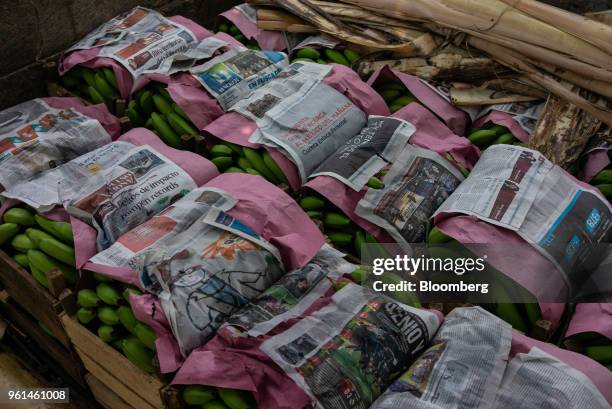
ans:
(222, 162)
(603, 177)
(220, 150)
(314, 214)
(60, 230)
(146, 103)
(233, 169)
(87, 298)
(336, 220)
(396, 85)
(321, 61)
(359, 275)
(312, 203)
(375, 183)
(108, 315)
(109, 75)
(482, 138)
(403, 100)
(129, 290)
(236, 399)
(70, 81)
(127, 318)
(108, 294)
(351, 55)
(341, 239)
(138, 354)
(360, 241)
(254, 172)
(39, 276)
(180, 111)
(58, 250)
(244, 163)
(95, 95)
(309, 53)
(605, 189)
(135, 118)
(215, 404)
(234, 31)
(102, 278)
(85, 315)
(435, 236)
(274, 168)
(390, 94)
(22, 243)
(37, 235)
(7, 232)
(145, 335)
(19, 216)
(395, 107)
(600, 353)
(105, 89)
(181, 126)
(198, 394)
(162, 104)
(241, 38)
(337, 57)
(258, 164)
(506, 138)
(166, 133)
(106, 333)
(499, 130)
(224, 28)
(303, 60)
(22, 259)
(44, 263)
(532, 311)
(509, 313)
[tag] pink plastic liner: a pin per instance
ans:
(267, 39)
(98, 112)
(504, 119)
(597, 373)
(235, 128)
(89, 58)
(596, 162)
(456, 119)
(595, 317)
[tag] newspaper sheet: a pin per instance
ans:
(140, 185)
(538, 380)
(306, 118)
(462, 369)
(238, 72)
(293, 294)
(417, 184)
(140, 40)
(526, 114)
(35, 138)
(378, 145)
(43, 191)
(518, 189)
(346, 354)
(172, 221)
(207, 273)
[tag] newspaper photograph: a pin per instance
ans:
(140, 185)
(293, 294)
(537, 377)
(172, 221)
(185, 60)
(204, 275)
(140, 40)
(518, 189)
(35, 138)
(377, 145)
(417, 184)
(306, 118)
(43, 192)
(463, 367)
(526, 114)
(347, 353)
(236, 73)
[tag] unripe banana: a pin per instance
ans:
(312, 203)
(19, 216)
(309, 53)
(7, 232)
(337, 57)
(198, 394)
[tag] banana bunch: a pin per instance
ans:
(345, 57)
(208, 397)
(38, 244)
(339, 229)
(98, 85)
(491, 134)
(595, 346)
(603, 182)
(395, 94)
(522, 316)
(153, 108)
(106, 311)
(232, 158)
(235, 32)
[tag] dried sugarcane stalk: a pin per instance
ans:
(478, 96)
(601, 16)
(520, 86)
(563, 131)
(599, 87)
(515, 61)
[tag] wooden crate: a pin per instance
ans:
(43, 304)
(133, 386)
(31, 332)
(105, 396)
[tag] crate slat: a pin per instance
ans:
(104, 396)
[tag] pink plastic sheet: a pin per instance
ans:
(267, 39)
(596, 162)
(595, 317)
(504, 119)
(89, 58)
(454, 118)
(597, 373)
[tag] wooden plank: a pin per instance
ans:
(31, 296)
(64, 357)
(105, 396)
(126, 394)
(97, 354)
